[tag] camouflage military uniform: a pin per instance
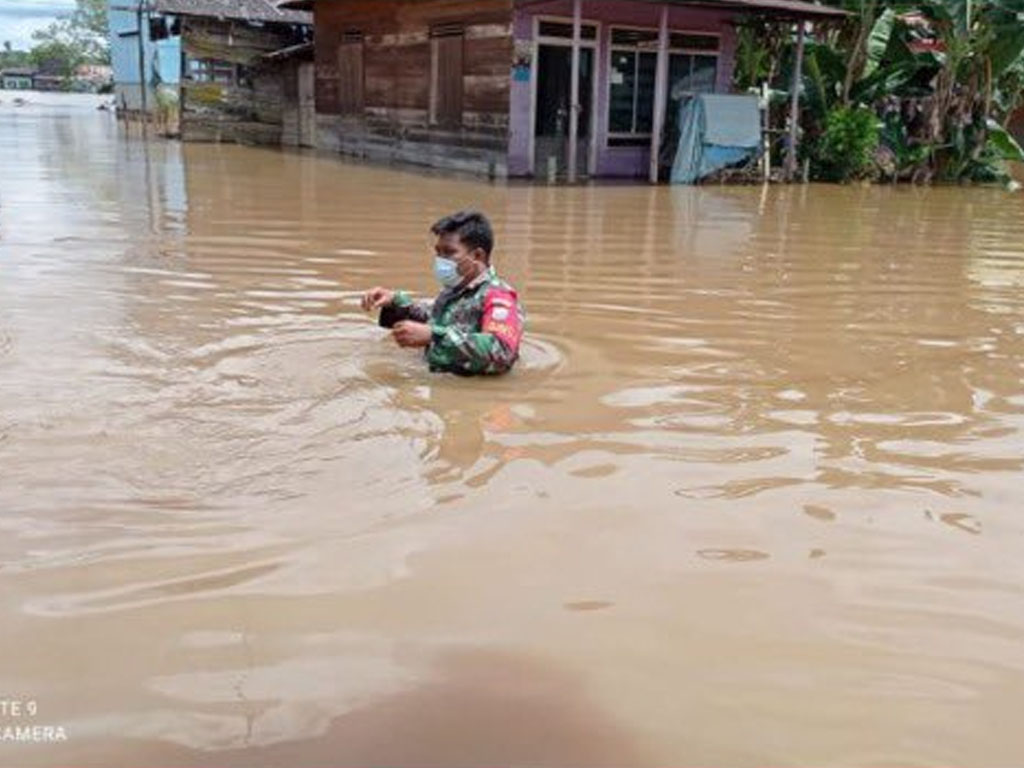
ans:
(475, 329)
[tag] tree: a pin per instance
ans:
(83, 34)
(11, 58)
(56, 58)
(92, 15)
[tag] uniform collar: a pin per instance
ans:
(484, 277)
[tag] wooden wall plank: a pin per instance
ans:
(486, 93)
(488, 56)
(412, 77)
(450, 80)
(351, 79)
(397, 72)
(426, 12)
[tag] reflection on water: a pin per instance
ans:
(748, 499)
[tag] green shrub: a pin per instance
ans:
(845, 151)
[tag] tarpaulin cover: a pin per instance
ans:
(715, 131)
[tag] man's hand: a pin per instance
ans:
(375, 298)
(410, 334)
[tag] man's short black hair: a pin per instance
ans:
(472, 228)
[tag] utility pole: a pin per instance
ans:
(660, 95)
(789, 170)
(574, 91)
(144, 100)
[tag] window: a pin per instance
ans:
(351, 83)
(631, 105)
(446, 66)
(163, 27)
(212, 71)
(563, 30)
(691, 73)
(635, 38)
(692, 41)
(693, 63)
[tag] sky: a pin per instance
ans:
(20, 18)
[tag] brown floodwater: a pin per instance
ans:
(750, 497)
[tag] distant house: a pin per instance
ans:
(48, 82)
(17, 79)
(488, 87)
(94, 73)
(242, 62)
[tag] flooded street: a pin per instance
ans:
(749, 498)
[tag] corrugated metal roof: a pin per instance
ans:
(247, 10)
(791, 9)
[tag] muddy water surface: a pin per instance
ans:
(752, 496)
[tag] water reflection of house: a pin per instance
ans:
(490, 87)
(241, 62)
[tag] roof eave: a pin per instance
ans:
(782, 10)
(176, 8)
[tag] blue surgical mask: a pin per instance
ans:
(447, 272)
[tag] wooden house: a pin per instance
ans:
(521, 88)
(48, 81)
(17, 79)
(241, 62)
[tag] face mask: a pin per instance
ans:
(447, 272)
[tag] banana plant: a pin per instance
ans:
(974, 90)
(943, 76)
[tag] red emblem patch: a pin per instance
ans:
(501, 317)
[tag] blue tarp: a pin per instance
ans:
(715, 132)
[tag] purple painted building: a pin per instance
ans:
(488, 87)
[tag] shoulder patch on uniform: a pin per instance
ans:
(501, 317)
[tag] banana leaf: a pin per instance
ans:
(817, 96)
(889, 81)
(1002, 143)
(878, 40)
(1007, 42)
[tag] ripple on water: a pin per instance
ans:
(252, 513)
(193, 586)
(733, 555)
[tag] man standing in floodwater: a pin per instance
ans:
(476, 322)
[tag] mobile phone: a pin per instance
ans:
(389, 315)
